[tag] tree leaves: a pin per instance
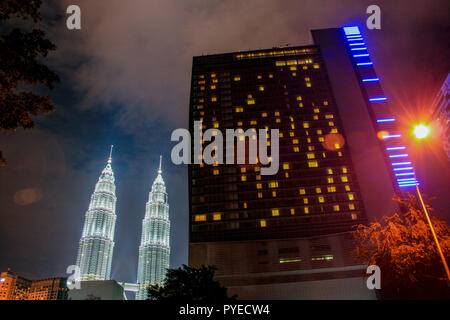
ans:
(189, 284)
(403, 247)
(20, 52)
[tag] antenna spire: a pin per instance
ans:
(160, 160)
(110, 154)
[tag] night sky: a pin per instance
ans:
(125, 80)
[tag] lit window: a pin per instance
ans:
(318, 190)
(214, 99)
(280, 63)
(275, 212)
(330, 180)
(251, 101)
(259, 76)
(321, 199)
(351, 206)
(293, 68)
(216, 125)
(331, 189)
(306, 210)
(243, 170)
(347, 187)
(261, 88)
(264, 114)
(273, 184)
(239, 122)
(258, 186)
(316, 117)
(294, 141)
(305, 125)
(217, 216)
(278, 120)
(344, 170)
(213, 86)
(319, 131)
(213, 75)
(239, 109)
(305, 200)
(329, 116)
(351, 196)
(270, 75)
(243, 178)
(286, 166)
(313, 164)
(354, 216)
(321, 139)
(300, 104)
(277, 113)
(216, 172)
(260, 195)
(325, 102)
(330, 171)
(316, 110)
(296, 149)
(245, 205)
(200, 217)
(274, 194)
(253, 122)
(237, 78)
(344, 179)
(316, 66)
(336, 207)
(299, 98)
(292, 126)
(310, 156)
(262, 223)
(292, 211)
(302, 191)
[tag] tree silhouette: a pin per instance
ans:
(403, 247)
(190, 284)
(20, 69)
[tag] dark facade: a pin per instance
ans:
(262, 229)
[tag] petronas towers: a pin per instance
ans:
(97, 240)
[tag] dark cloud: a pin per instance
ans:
(126, 78)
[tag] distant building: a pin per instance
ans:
(342, 160)
(15, 287)
(154, 251)
(441, 106)
(97, 240)
(98, 290)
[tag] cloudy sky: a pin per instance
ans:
(125, 81)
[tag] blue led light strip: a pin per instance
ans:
(386, 120)
(378, 99)
(395, 148)
(370, 79)
(356, 42)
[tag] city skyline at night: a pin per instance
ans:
(346, 144)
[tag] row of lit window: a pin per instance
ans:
(275, 212)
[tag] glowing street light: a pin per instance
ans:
(421, 131)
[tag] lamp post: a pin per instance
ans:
(421, 131)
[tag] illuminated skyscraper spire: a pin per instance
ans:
(97, 240)
(154, 250)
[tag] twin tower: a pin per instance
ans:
(97, 240)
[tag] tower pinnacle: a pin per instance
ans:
(160, 160)
(110, 154)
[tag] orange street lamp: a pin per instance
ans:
(421, 131)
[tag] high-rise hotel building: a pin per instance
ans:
(341, 162)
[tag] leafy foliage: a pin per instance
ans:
(190, 284)
(403, 247)
(20, 51)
